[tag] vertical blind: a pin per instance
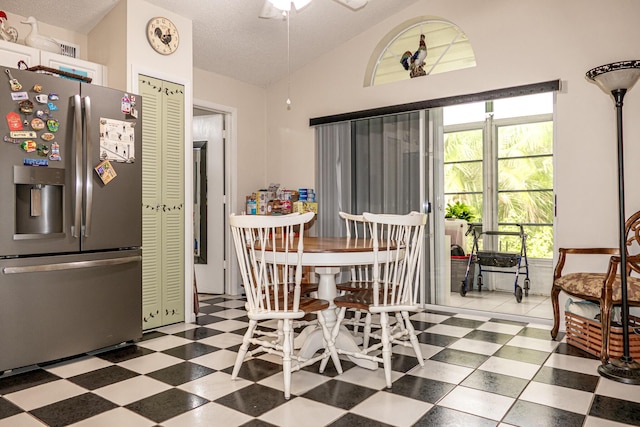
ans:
(369, 165)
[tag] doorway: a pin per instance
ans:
(210, 207)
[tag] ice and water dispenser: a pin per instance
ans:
(39, 202)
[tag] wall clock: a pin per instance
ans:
(163, 35)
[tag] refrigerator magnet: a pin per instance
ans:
(19, 96)
(51, 106)
(37, 124)
(29, 146)
(105, 171)
(47, 136)
(14, 83)
(11, 140)
(35, 162)
(53, 125)
(125, 104)
(42, 150)
(26, 106)
(134, 110)
(14, 121)
(26, 134)
(55, 152)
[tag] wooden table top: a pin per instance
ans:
(338, 245)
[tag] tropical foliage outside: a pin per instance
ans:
(524, 181)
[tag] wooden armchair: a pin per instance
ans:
(602, 288)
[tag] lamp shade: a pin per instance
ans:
(617, 75)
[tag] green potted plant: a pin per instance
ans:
(459, 210)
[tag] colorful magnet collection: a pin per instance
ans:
(30, 117)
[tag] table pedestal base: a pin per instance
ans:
(312, 337)
(314, 343)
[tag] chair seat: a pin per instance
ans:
(310, 305)
(307, 288)
(354, 285)
(307, 304)
(590, 285)
(359, 299)
(363, 300)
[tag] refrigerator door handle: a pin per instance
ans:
(89, 171)
(77, 173)
(71, 265)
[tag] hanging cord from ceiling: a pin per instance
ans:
(288, 63)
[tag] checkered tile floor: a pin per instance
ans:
(479, 371)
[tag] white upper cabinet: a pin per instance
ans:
(12, 53)
(76, 66)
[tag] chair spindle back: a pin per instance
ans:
(398, 245)
(268, 248)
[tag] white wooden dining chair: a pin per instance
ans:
(357, 228)
(398, 244)
(360, 275)
(272, 295)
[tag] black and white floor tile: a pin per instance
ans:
(478, 371)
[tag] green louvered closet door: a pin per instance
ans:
(162, 202)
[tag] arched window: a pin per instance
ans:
(447, 49)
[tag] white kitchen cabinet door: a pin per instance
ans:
(12, 53)
(96, 72)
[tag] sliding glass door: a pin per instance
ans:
(494, 156)
(380, 166)
(385, 165)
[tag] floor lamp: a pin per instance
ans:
(616, 79)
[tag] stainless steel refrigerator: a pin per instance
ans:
(70, 218)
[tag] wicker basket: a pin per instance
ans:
(586, 334)
(458, 271)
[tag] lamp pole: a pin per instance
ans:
(617, 78)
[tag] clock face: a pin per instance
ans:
(163, 35)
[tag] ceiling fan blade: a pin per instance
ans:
(353, 4)
(274, 9)
(269, 11)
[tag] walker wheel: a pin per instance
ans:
(526, 287)
(518, 293)
(463, 288)
(479, 282)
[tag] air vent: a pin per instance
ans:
(69, 49)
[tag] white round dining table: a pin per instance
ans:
(327, 255)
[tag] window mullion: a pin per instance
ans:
(490, 180)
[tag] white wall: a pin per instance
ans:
(250, 104)
(114, 53)
(58, 33)
(515, 43)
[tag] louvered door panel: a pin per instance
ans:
(151, 197)
(173, 198)
(163, 202)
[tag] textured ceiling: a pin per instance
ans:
(229, 37)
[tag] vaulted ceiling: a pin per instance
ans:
(228, 36)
